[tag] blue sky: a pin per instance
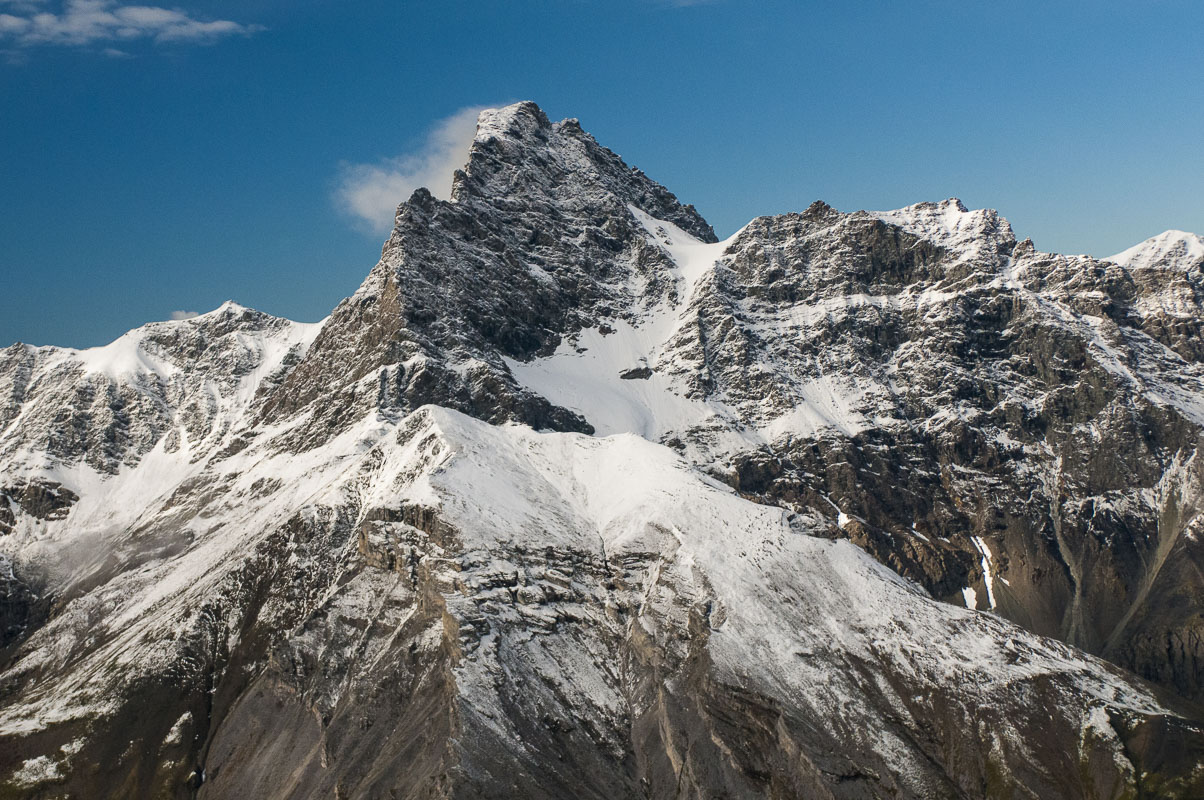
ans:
(157, 160)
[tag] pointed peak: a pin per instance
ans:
(519, 158)
(230, 313)
(572, 125)
(1173, 248)
(515, 121)
(226, 309)
(819, 210)
(231, 307)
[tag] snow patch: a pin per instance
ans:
(987, 578)
(176, 734)
(124, 357)
(584, 374)
(37, 771)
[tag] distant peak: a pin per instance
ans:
(230, 307)
(229, 313)
(1173, 238)
(1169, 248)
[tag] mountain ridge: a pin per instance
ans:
(383, 555)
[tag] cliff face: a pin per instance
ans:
(571, 499)
(536, 242)
(1014, 430)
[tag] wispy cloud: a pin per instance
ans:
(178, 315)
(79, 23)
(23, 6)
(372, 192)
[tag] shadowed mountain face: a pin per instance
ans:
(571, 499)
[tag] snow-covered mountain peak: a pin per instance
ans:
(1173, 248)
(179, 383)
(520, 158)
(227, 308)
(571, 500)
(949, 224)
(164, 348)
(516, 121)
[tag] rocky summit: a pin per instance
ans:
(573, 500)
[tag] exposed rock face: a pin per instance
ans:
(537, 241)
(380, 557)
(994, 418)
(38, 499)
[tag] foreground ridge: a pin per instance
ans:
(572, 499)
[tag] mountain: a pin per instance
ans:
(571, 499)
(1173, 249)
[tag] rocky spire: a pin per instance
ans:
(537, 242)
(519, 156)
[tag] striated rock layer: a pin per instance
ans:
(571, 499)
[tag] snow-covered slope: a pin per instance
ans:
(609, 374)
(910, 381)
(571, 499)
(587, 587)
(183, 386)
(1178, 248)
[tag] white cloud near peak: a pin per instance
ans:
(372, 192)
(85, 22)
(179, 315)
